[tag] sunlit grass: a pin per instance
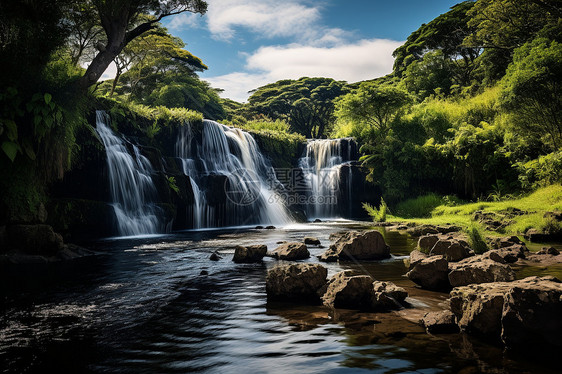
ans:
(536, 204)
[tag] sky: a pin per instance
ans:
(249, 43)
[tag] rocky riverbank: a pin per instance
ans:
(485, 298)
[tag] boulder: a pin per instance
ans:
(442, 322)
(503, 242)
(548, 251)
(270, 227)
(33, 239)
(415, 257)
(535, 235)
(448, 229)
(532, 314)
(523, 314)
(311, 240)
(249, 253)
(215, 256)
(451, 250)
(291, 252)
(346, 290)
(387, 296)
(296, 282)
(422, 230)
(426, 242)
(431, 273)
(478, 308)
(507, 255)
(353, 245)
(479, 270)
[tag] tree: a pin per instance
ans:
(154, 52)
(444, 34)
(501, 26)
(120, 22)
(306, 103)
(532, 90)
(374, 105)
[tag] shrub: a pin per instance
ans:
(378, 215)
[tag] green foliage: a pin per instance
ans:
(172, 184)
(306, 104)
(372, 106)
(542, 171)
(378, 215)
(532, 91)
(279, 126)
(419, 207)
(476, 240)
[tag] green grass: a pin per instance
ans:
(537, 203)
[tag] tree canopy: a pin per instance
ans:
(306, 103)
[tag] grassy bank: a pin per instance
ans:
(437, 211)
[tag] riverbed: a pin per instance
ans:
(158, 304)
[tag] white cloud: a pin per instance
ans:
(270, 18)
(365, 59)
(184, 20)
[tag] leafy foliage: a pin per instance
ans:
(306, 104)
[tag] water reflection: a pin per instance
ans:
(144, 307)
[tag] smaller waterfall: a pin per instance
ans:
(131, 185)
(322, 167)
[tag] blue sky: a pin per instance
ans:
(248, 43)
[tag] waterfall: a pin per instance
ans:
(322, 167)
(224, 161)
(130, 181)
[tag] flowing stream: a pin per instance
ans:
(143, 306)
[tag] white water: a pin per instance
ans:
(234, 154)
(130, 181)
(322, 168)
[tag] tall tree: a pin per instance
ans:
(532, 89)
(373, 104)
(445, 34)
(306, 103)
(120, 22)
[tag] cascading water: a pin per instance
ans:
(322, 167)
(131, 185)
(231, 157)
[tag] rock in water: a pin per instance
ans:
(354, 245)
(478, 270)
(451, 250)
(416, 257)
(311, 240)
(346, 290)
(431, 273)
(349, 291)
(215, 257)
(524, 314)
(388, 296)
(426, 242)
(297, 282)
(532, 314)
(249, 254)
(291, 252)
(442, 322)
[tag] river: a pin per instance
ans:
(143, 306)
